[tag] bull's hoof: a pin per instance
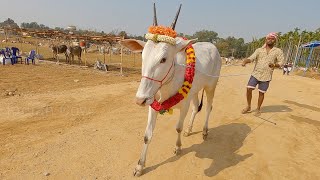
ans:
(186, 133)
(137, 171)
(205, 136)
(177, 151)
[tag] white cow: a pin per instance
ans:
(163, 69)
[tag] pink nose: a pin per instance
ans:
(140, 101)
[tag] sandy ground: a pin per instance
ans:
(73, 123)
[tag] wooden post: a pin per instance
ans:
(21, 44)
(104, 55)
(121, 58)
(110, 53)
(85, 60)
(57, 56)
(134, 59)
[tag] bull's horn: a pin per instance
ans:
(155, 22)
(173, 26)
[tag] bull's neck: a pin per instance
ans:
(172, 87)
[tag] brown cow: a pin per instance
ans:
(74, 51)
(59, 50)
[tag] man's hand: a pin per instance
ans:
(245, 61)
(274, 65)
(271, 65)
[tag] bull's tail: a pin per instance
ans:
(200, 105)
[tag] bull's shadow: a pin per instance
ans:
(220, 146)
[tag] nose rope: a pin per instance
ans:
(160, 81)
(213, 76)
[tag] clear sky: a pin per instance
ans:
(238, 18)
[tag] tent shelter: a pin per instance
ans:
(310, 49)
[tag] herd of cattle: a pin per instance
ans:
(71, 51)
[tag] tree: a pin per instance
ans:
(9, 23)
(136, 37)
(231, 46)
(58, 29)
(123, 34)
(34, 25)
(206, 36)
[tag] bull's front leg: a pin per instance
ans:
(152, 116)
(183, 112)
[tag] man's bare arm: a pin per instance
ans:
(246, 61)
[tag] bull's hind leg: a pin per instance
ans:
(210, 95)
(152, 116)
(195, 107)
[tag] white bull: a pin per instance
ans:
(163, 69)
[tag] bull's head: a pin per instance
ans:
(158, 58)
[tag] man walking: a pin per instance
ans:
(266, 59)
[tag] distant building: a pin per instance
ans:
(71, 28)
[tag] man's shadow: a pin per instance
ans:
(276, 108)
(220, 146)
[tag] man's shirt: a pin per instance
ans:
(262, 71)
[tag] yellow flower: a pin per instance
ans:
(186, 83)
(170, 111)
(186, 88)
(191, 56)
(183, 93)
(190, 50)
(189, 61)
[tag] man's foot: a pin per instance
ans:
(246, 110)
(257, 112)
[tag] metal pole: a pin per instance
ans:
(309, 58)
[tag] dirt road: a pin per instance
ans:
(69, 123)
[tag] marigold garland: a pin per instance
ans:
(161, 34)
(184, 90)
(162, 30)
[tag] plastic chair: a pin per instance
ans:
(6, 56)
(31, 57)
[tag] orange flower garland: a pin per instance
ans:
(162, 30)
(184, 90)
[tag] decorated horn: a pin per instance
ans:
(173, 26)
(155, 22)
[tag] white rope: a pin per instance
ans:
(229, 75)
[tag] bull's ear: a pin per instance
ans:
(133, 44)
(181, 44)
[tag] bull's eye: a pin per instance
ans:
(163, 60)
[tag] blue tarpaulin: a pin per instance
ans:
(311, 45)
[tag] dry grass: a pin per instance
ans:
(129, 61)
(309, 74)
